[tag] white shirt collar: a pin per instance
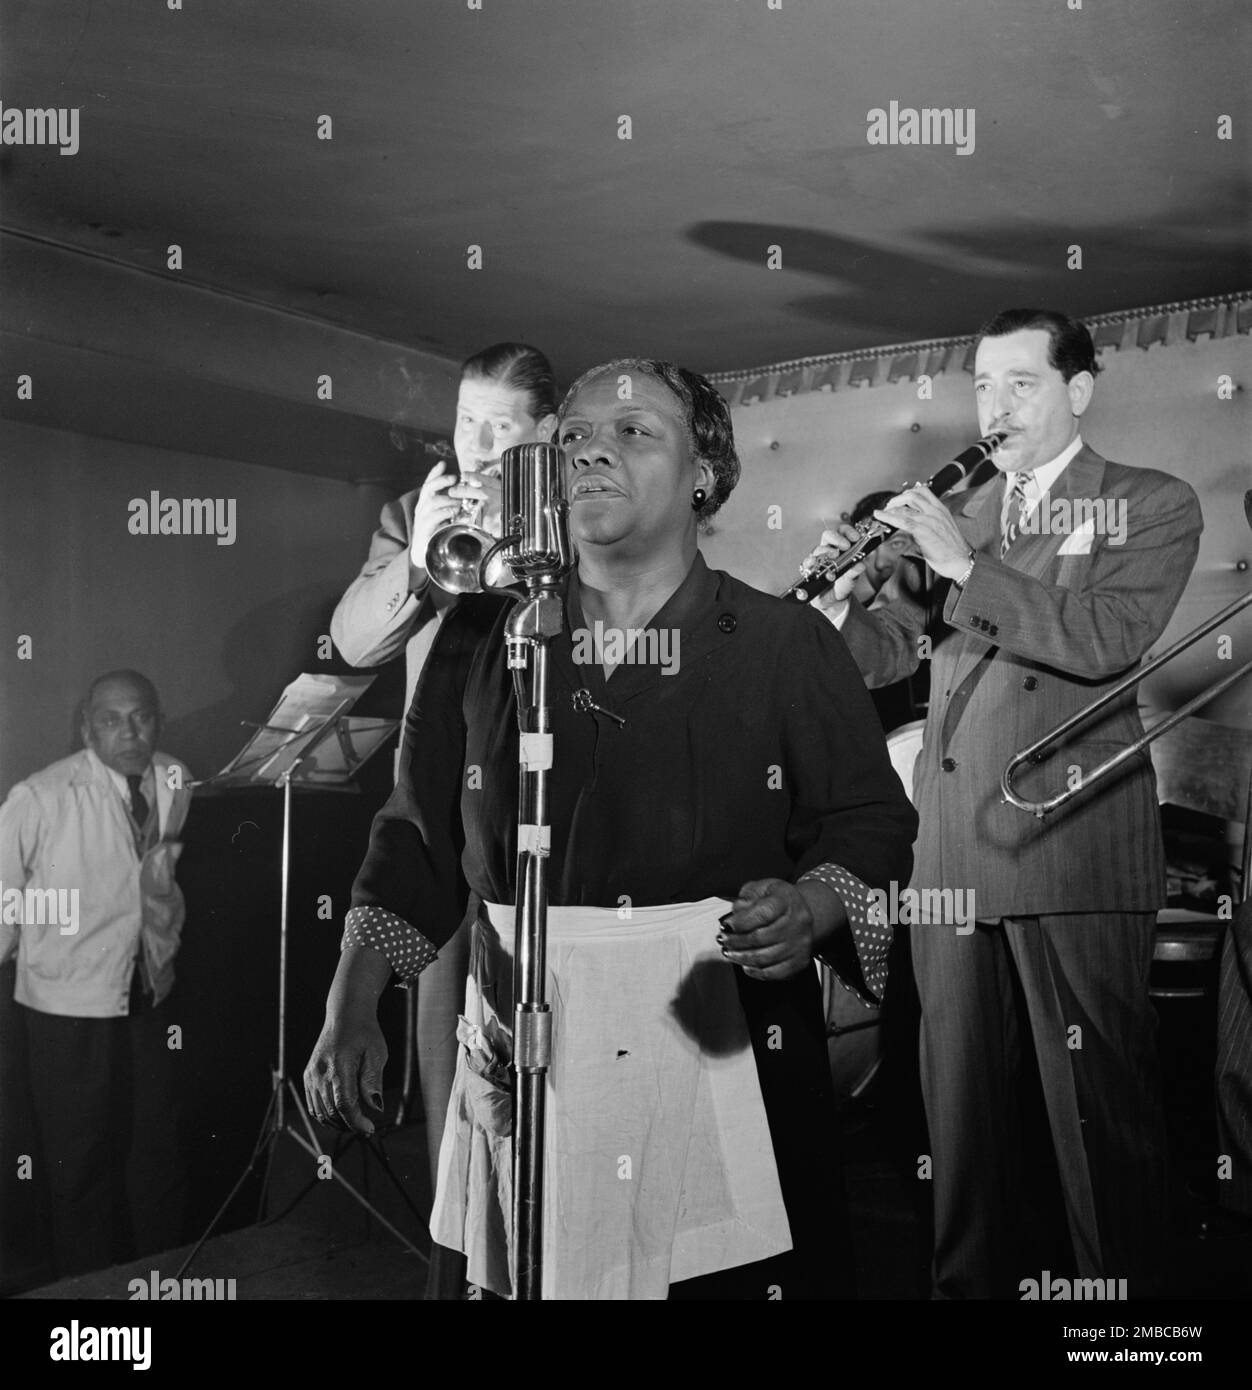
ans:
(1041, 479)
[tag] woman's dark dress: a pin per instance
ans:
(760, 756)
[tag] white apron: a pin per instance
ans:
(658, 1165)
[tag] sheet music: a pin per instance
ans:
(292, 733)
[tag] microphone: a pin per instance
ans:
(874, 532)
(537, 546)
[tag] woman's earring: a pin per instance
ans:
(698, 499)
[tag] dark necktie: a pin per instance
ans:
(140, 990)
(138, 802)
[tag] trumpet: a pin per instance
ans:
(455, 554)
(872, 533)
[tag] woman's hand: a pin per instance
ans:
(346, 1066)
(348, 1059)
(775, 928)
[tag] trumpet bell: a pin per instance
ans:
(455, 555)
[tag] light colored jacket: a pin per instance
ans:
(65, 829)
(389, 607)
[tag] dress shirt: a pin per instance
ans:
(1038, 481)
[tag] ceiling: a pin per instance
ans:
(498, 127)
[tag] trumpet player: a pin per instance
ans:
(507, 396)
(1040, 617)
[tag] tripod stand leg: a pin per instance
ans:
(373, 1147)
(266, 1137)
(279, 1126)
(295, 1201)
(312, 1151)
(380, 1157)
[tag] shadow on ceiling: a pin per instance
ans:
(963, 277)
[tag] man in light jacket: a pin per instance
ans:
(92, 912)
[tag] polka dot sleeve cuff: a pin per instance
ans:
(407, 950)
(871, 933)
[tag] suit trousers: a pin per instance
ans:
(25, 1259)
(1076, 986)
(105, 1094)
(1234, 1061)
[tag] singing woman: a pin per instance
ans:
(718, 822)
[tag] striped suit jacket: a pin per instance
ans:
(1030, 640)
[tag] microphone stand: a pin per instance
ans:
(531, 626)
(538, 550)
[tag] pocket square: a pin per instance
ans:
(1079, 543)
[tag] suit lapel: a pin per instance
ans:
(1032, 553)
(978, 518)
(95, 771)
(171, 805)
(1035, 551)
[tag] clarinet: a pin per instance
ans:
(872, 532)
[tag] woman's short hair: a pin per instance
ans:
(520, 367)
(710, 433)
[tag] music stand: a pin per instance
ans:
(295, 747)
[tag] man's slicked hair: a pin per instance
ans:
(519, 367)
(710, 433)
(1070, 349)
